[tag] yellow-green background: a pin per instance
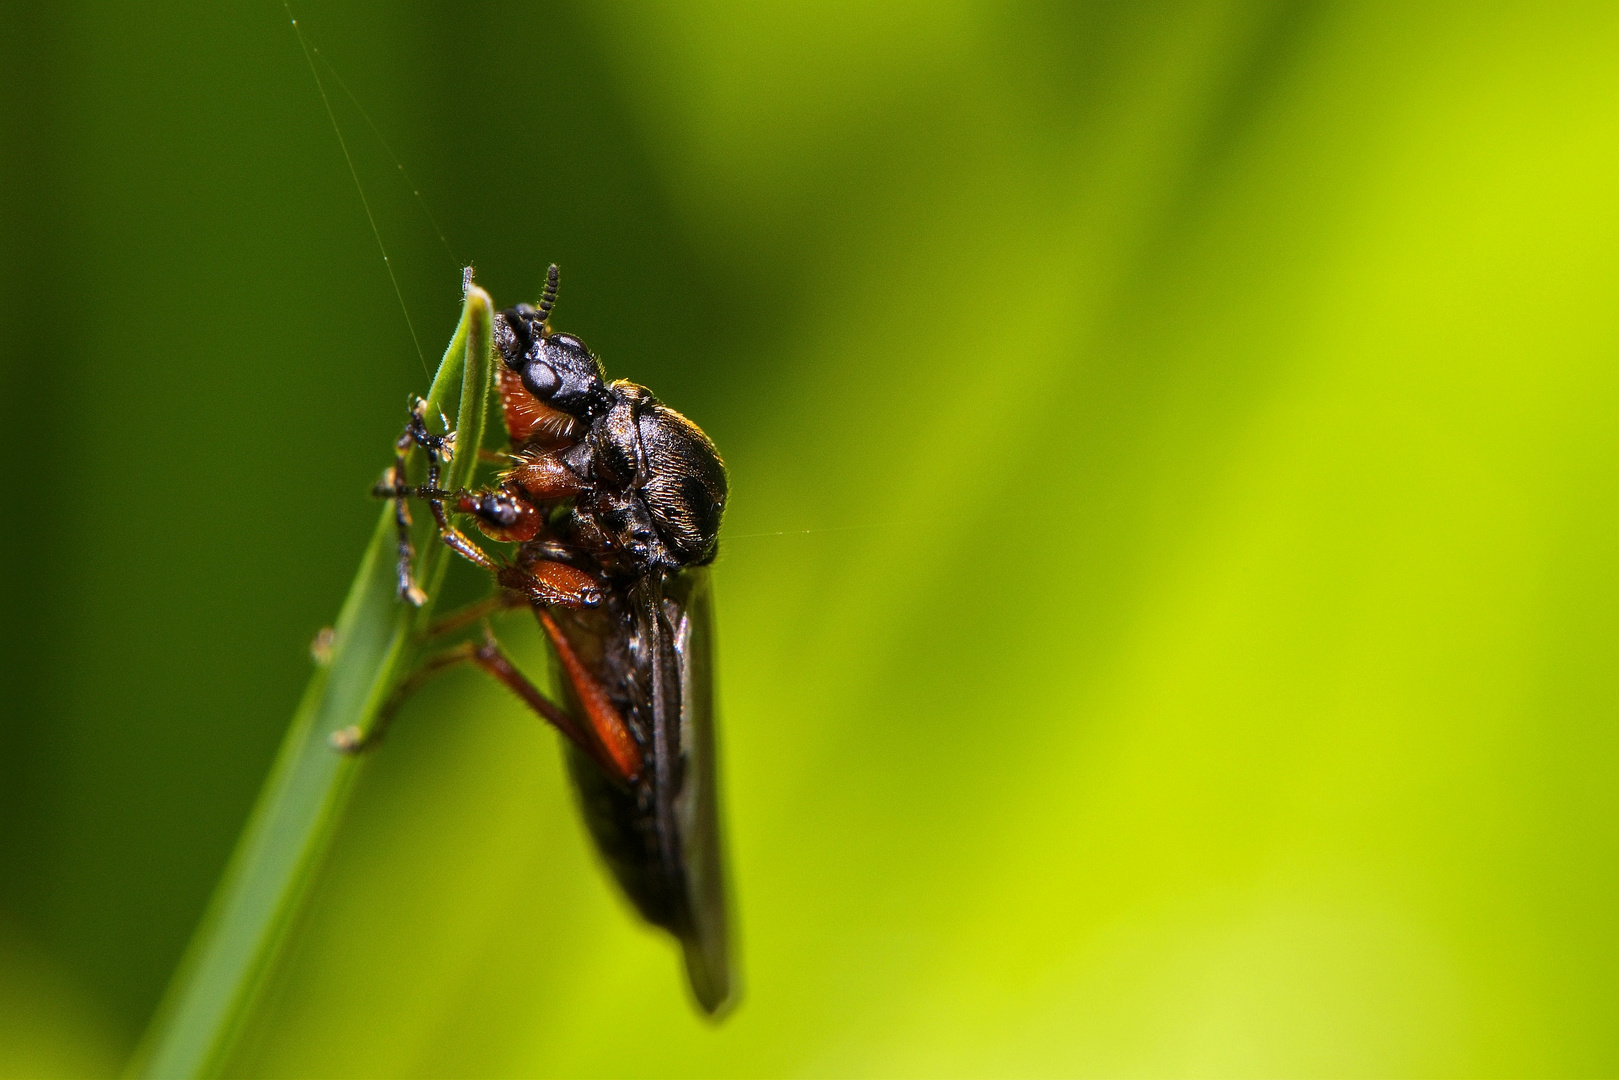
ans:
(1206, 656)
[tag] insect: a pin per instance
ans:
(613, 502)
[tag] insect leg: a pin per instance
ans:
(395, 488)
(555, 583)
(467, 502)
(611, 731)
(546, 582)
(463, 617)
(439, 448)
(489, 658)
(351, 740)
(544, 476)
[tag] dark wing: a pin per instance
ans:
(652, 649)
(706, 937)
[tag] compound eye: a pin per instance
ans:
(541, 380)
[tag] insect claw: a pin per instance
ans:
(413, 593)
(349, 740)
(490, 645)
(320, 650)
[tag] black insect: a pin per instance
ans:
(614, 503)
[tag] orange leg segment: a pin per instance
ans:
(547, 582)
(609, 727)
(493, 661)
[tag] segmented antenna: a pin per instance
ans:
(548, 299)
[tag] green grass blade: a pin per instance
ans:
(233, 952)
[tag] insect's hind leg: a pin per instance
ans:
(490, 658)
(351, 740)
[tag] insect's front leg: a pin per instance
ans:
(439, 449)
(394, 487)
(491, 508)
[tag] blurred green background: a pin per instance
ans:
(1171, 593)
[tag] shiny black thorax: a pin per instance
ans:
(656, 486)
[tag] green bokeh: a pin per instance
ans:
(1201, 656)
